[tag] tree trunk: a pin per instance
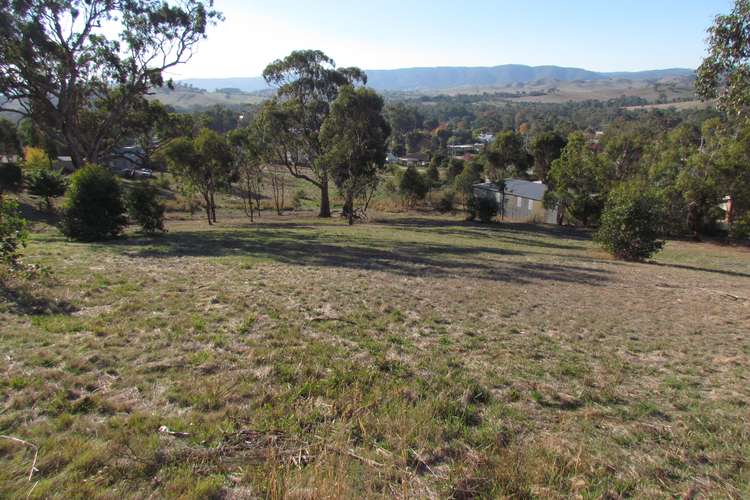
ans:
(208, 208)
(694, 220)
(348, 209)
(325, 202)
(213, 207)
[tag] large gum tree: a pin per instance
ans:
(78, 68)
(307, 82)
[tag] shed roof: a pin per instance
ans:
(517, 187)
(525, 189)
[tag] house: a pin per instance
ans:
(415, 161)
(391, 158)
(520, 200)
(459, 150)
(486, 138)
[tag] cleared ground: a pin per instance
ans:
(411, 356)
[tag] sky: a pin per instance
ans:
(603, 35)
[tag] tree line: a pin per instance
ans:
(84, 92)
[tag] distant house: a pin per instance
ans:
(521, 201)
(415, 161)
(391, 158)
(486, 138)
(459, 150)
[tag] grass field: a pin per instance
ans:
(410, 356)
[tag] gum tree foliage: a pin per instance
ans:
(725, 72)
(546, 147)
(354, 136)
(204, 163)
(62, 68)
(507, 157)
(248, 164)
(9, 141)
(576, 182)
(307, 82)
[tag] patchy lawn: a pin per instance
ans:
(409, 356)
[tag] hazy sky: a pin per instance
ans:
(601, 35)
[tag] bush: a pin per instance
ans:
(740, 229)
(299, 197)
(145, 208)
(93, 207)
(46, 183)
(630, 224)
(12, 231)
(447, 202)
(11, 177)
(483, 208)
(412, 186)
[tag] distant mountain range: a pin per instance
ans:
(437, 78)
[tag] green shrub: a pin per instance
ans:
(13, 232)
(11, 177)
(93, 207)
(46, 183)
(446, 202)
(412, 186)
(740, 229)
(299, 197)
(630, 224)
(486, 209)
(145, 208)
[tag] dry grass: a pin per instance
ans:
(411, 356)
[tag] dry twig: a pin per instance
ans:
(36, 452)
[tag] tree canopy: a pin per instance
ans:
(60, 66)
(354, 137)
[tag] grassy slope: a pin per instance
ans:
(410, 356)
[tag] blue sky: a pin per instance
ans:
(604, 35)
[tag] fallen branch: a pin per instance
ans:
(329, 318)
(166, 430)
(365, 460)
(36, 452)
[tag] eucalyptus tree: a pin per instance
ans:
(354, 137)
(203, 163)
(307, 82)
(725, 72)
(78, 68)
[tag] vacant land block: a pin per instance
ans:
(408, 356)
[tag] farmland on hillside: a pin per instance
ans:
(410, 355)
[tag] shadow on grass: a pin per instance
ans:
(513, 232)
(23, 300)
(701, 269)
(306, 245)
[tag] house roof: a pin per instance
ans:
(518, 187)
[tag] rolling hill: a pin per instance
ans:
(441, 78)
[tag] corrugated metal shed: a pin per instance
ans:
(525, 189)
